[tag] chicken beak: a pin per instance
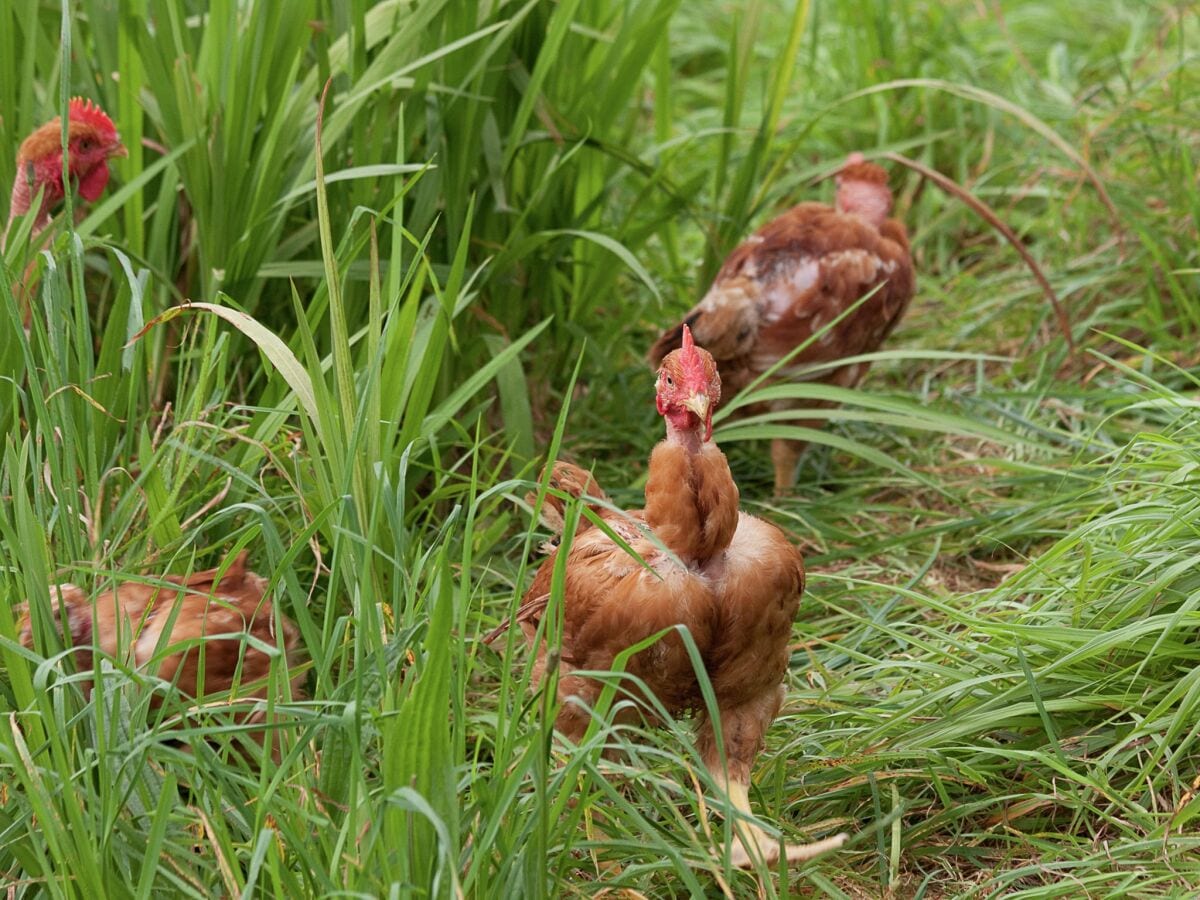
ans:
(118, 149)
(697, 403)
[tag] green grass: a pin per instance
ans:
(994, 684)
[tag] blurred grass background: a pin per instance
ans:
(995, 681)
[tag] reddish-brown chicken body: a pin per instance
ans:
(614, 601)
(793, 277)
(198, 632)
(732, 580)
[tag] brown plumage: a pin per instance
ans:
(207, 621)
(794, 276)
(733, 580)
(566, 480)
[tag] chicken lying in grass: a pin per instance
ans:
(199, 632)
(794, 276)
(733, 580)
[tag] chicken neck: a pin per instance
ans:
(685, 434)
(691, 498)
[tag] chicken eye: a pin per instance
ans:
(85, 144)
(670, 383)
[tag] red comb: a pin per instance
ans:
(83, 110)
(689, 358)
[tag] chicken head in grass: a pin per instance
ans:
(203, 633)
(91, 142)
(734, 581)
(788, 281)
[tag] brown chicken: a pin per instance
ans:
(194, 632)
(733, 580)
(790, 279)
(91, 142)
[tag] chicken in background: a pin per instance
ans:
(794, 276)
(91, 142)
(733, 580)
(215, 619)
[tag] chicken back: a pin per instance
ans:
(195, 631)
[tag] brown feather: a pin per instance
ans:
(573, 481)
(863, 171)
(691, 501)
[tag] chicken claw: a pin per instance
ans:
(765, 848)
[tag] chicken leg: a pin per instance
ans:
(761, 847)
(784, 455)
(785, 452)
(742, 729)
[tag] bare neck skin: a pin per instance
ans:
(684, 429)
(872, 202)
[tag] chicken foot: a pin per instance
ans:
(742, 730)
(761, 846)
